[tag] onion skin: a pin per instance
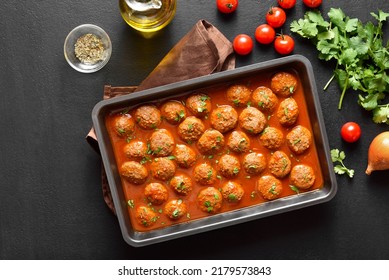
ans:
(378, 156)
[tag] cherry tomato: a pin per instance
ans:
(287, 4)
(243, 44)
(284, 44)
(312, 3)
(227, 6)
(265, 34)
(276, 17)
(350, 132)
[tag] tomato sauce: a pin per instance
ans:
(135, 193)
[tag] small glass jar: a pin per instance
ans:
(147, 16)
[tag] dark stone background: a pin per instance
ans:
(51, 204)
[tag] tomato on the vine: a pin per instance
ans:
(350, 132)
(243, 44)
(276, 17)
(284, 44)
(312, 3)
(265, 34)
(227, 6)
(287, 4)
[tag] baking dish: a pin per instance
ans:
(295, 63)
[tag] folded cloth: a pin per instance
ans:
(202, 51)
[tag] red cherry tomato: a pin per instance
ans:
(284, 44)
(276, 17)
(265, 34)
(243, 44)
(312, 3)
(287, 4)
(350, 132)
(227, 6)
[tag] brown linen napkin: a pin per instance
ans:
(202, 51)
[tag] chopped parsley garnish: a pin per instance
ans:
(209, 174)
(179, 116)
(131, 203)
(294, 188)
(232, 197)
(176, 213)
(272, 189)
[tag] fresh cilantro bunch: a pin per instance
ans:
(359, 50)
(339, 156)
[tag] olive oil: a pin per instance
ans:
(147, 16)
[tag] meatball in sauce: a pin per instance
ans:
(252, 120)
(209, 200)
(148, 117)
(284, 84)
(134, 172)
(211, 142)
(191, 129)
(124, 125)
(264, 99)
(199, 104)
(238, 95)
(224, 118)
(173, 112)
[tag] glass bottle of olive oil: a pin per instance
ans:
(147, 16)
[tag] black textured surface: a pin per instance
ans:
(51, 205)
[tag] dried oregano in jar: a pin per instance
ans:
(89, 48)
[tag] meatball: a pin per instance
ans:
(135, 149)
(224, 118)
(182, 184)
(238, 142)
(146, 216)
(265, 99)
(269, 187)
(124, 125)
(199, 104)
(173, 111)
(211, 142)
(175, 209)
(148, 117)
(161, 143)
(191, 129)
(162, 168)
(156, 193)
(134, 172)
(252, 120)
(238, 95)
(279, 164)
(283, 84)
(302, 176)
(299, 139)
(288, 111)
(272, 138)
(232, 191)
(254, 163)
(184, 155)
(229, 166)
(204, 174)
(209, 200)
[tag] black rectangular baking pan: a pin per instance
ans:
(299, 64)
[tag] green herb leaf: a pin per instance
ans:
(130, 203)
(360, 53)
(294, 188)
(338, 157)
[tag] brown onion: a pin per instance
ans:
(378, 157)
